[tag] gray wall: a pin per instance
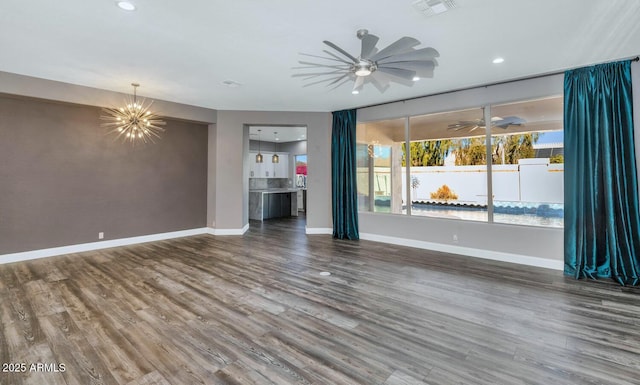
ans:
(62, 180)
(295, 148)
(232, 176)
(14, 84)
(522, 240)
(264, 146)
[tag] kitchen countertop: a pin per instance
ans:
(275, 190)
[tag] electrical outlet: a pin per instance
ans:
(101, 235)
(455, 238)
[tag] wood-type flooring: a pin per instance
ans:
(253, 309)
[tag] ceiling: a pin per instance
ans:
(537, 115)
(183, 51)
(280, 134)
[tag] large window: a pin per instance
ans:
(444, 165)
(380, 166)
(528, 163)
(447, 165)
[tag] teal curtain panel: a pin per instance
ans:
(602, 221)
(343, 175)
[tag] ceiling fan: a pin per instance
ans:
(399, 62)
(496, 121)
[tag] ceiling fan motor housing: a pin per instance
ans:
(364, 67)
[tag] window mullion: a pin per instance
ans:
(487, 119)
(407, 163)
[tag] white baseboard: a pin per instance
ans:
(471, 252)
(228, 231)
(43, 253)
(318, 230)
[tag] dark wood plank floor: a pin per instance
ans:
(254, 310)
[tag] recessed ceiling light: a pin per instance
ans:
(355, 92)
(325, 273)
(127, 6)
(433, 7)
(416, 78)
(498, 60)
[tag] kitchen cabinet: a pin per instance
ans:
(256, 170)
(281, 169)
(267, 169)
(276, 205)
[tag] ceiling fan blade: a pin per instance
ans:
(368, 45)
(399, 46)
(513, 120)
(319, 81)
(316, 73)
(421, 68)
(357, 85)
(338, 79)
(345, 53)
(381, 84)
(381, 75)
(398, 72)
(341, 83)
(462, 124)
(334, 58)
(323, 65)
(423, 54)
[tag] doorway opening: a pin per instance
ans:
(277, 172)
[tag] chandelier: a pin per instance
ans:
(134, 122)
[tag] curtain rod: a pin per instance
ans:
(636, 58)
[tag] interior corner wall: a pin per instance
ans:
(488, 238)
(211, 176)
(232, 157)
(62, 180)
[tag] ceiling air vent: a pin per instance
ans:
(433, 7)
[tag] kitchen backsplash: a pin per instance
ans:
(264, 183)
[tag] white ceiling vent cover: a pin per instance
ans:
(433, 7)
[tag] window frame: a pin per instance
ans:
(487, 115)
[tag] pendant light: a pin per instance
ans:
(275, 158)
(259, 155)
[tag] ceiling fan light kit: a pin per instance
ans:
(399, 62)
